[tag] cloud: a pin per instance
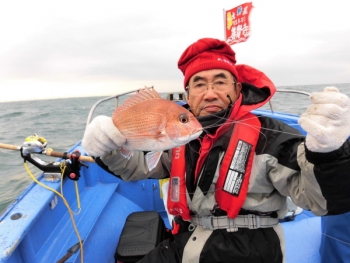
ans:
(326, 61)
(88, 50)
(124, 44)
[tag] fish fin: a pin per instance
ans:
(126, 153)
(152, 158)
(139, 96)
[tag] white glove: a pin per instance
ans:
(102, 136)
(327, 120)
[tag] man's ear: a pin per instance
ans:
(238, 87)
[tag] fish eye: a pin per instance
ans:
(183, 118)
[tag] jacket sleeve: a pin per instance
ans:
(134, 168)
(319, 182)
(332, 173)
(319, 186)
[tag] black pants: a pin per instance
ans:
(244, 246)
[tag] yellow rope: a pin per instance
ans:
(63, 168)
(77, 194)
(66, 204)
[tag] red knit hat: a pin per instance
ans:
(205, 54)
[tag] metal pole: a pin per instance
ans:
(225, 20)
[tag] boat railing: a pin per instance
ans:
(93, 108)
(174, 96)
(288, 91)
(171, 96)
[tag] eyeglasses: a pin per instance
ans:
(200, 87)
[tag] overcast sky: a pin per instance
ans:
(51, 49)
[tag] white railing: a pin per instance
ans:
(170, 95)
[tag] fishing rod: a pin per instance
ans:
(48, 152)
(37, 145)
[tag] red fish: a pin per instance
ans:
(150, 123)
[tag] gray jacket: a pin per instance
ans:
(280, 169)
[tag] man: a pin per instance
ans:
(228, 189)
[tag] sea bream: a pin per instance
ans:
(153, 124)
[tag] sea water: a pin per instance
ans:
(62, 123)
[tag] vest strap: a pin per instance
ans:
(250, 221)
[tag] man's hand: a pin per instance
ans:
(327, 120)
(102, 136)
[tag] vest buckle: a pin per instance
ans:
(253, 221)
(207, 222)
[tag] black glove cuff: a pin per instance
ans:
(327, 157)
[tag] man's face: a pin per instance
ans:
(206, 99)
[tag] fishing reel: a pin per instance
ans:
(33, 144)
(70, 166)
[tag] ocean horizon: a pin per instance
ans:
(173, 91)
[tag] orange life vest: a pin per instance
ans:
(232, 184)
